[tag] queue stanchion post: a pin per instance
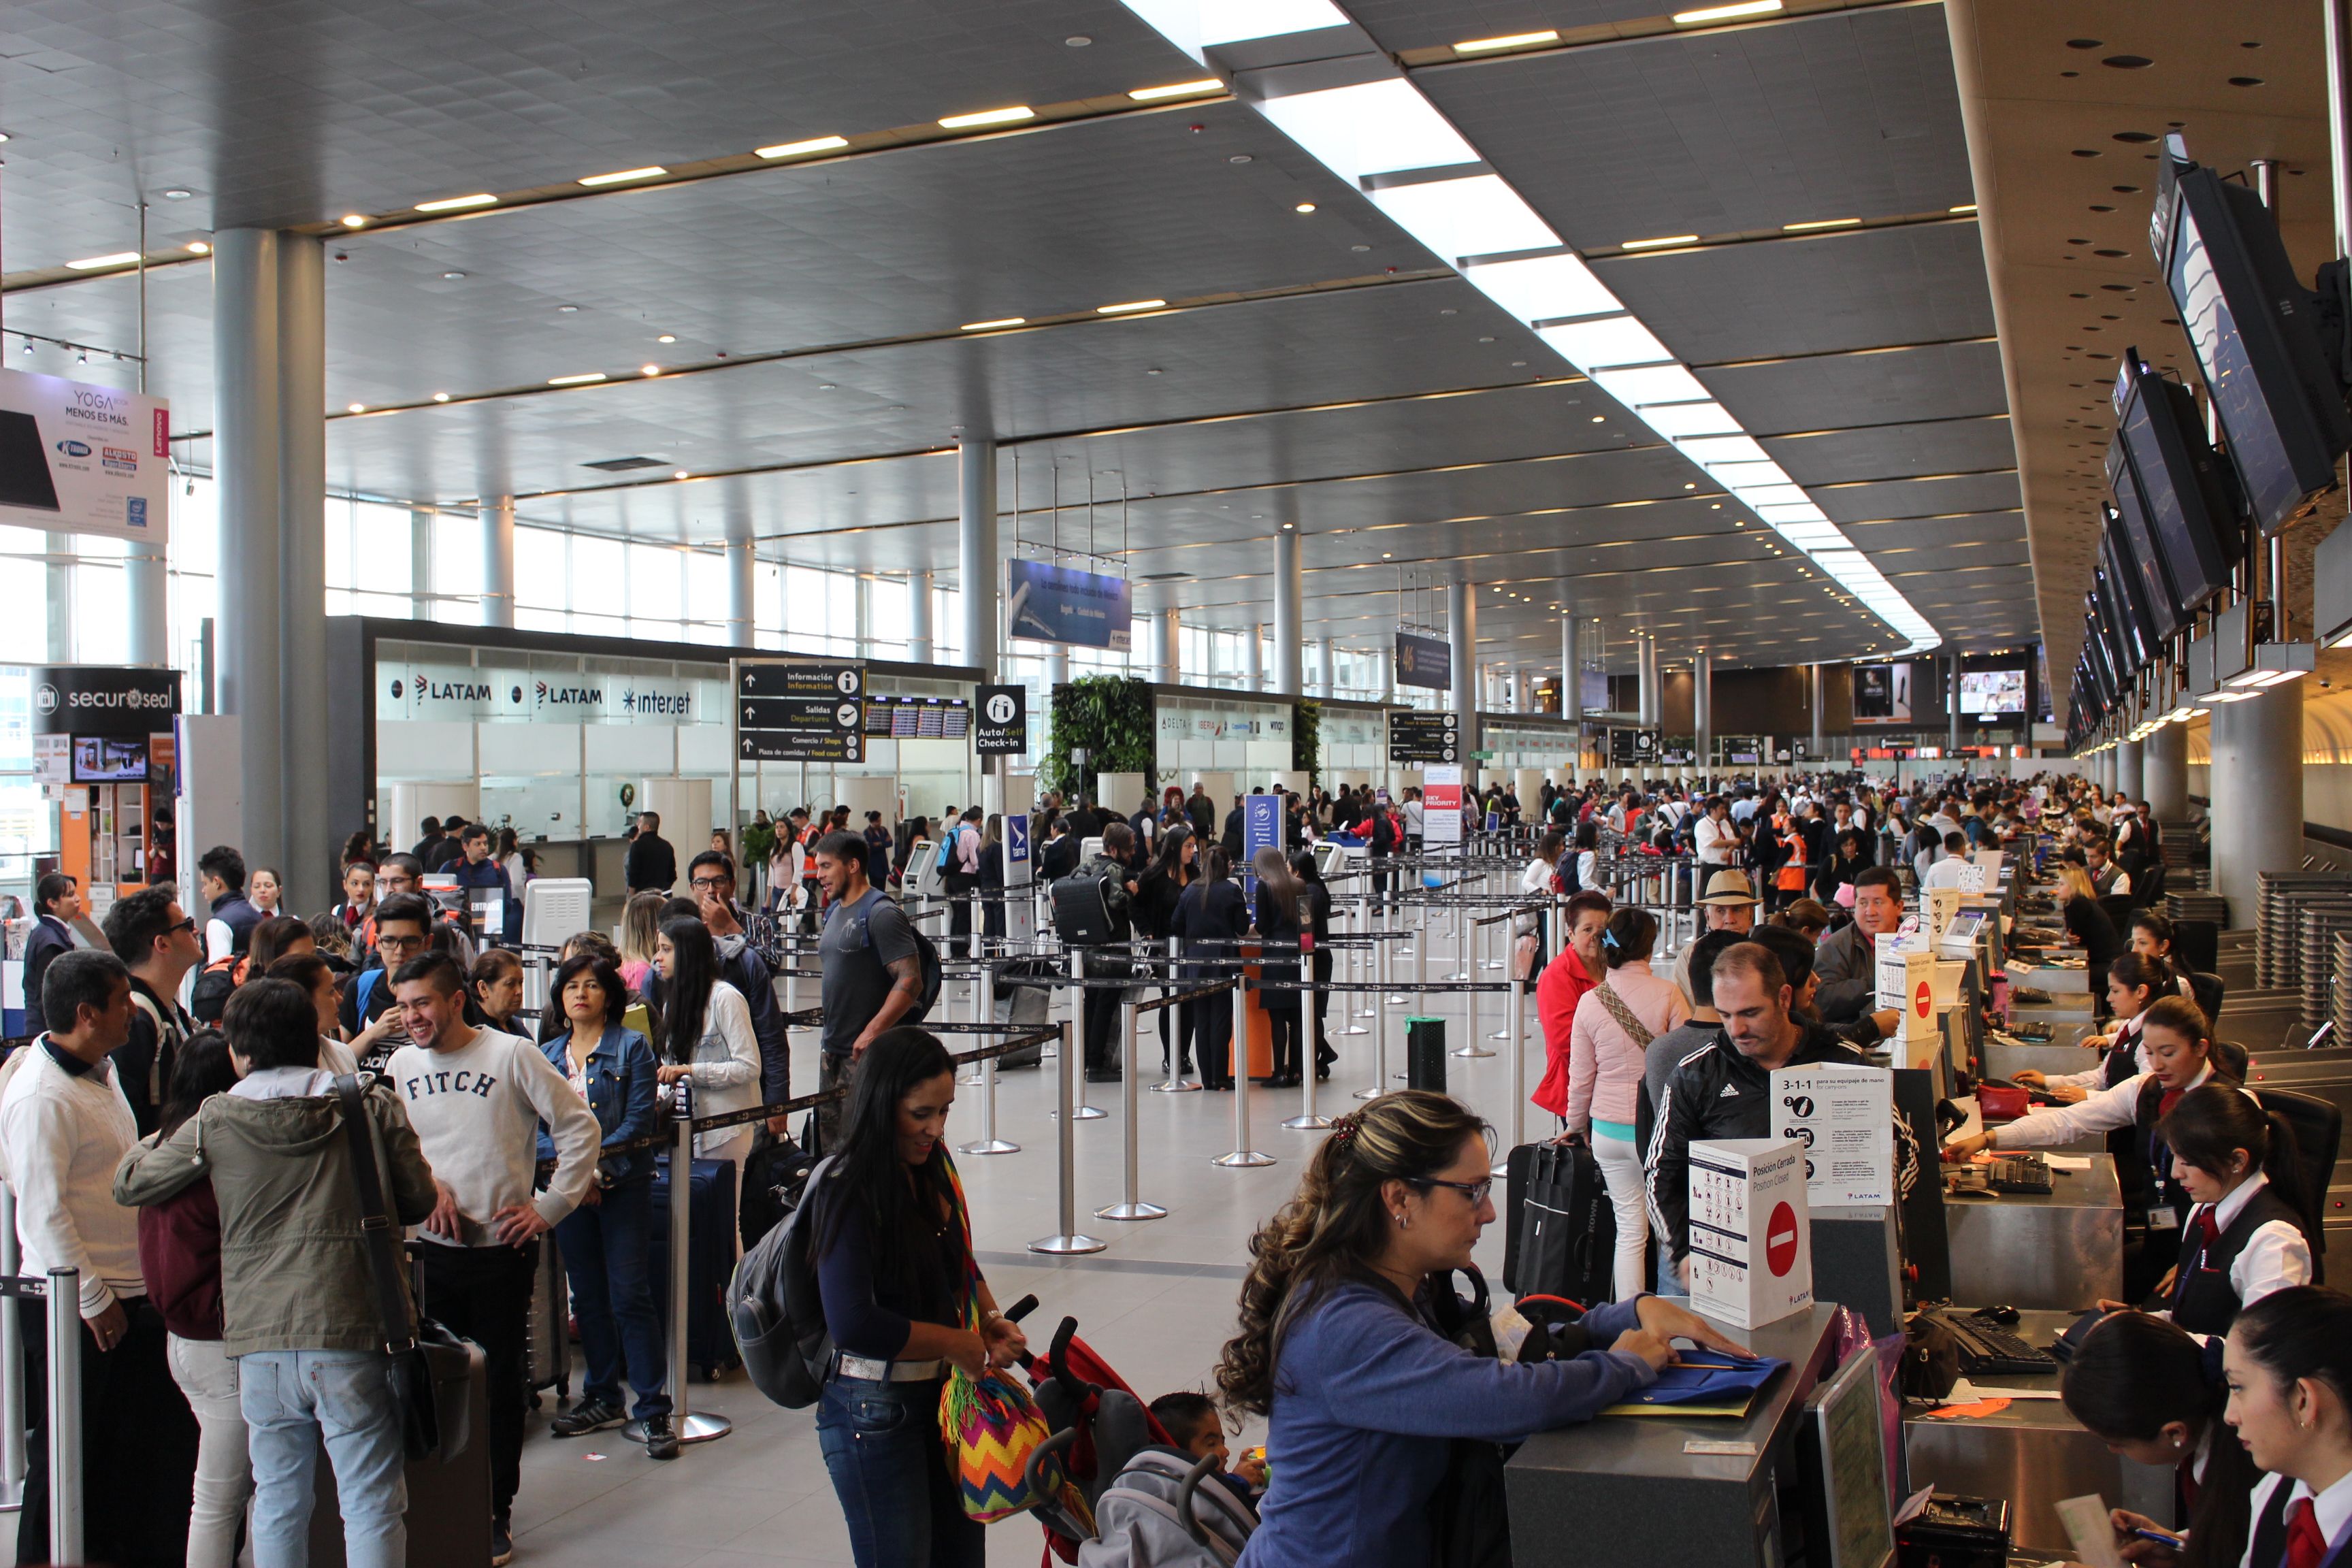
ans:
(1395, 998)
(62, 1421)
(1306, 1121)
(1067, 1241)
(1517, 996)
(988, 1143)
(973, 1006)
(1509, 926)
(1382, 965)
(1131, 1205)
(1176, 1084)
(1084, 1112)
(692, 1426)
(1471, 1049)
(1464, 936)
(1363, 966)
(1243, 1155)
(11, 1363)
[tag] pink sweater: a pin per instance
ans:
(1604, 1063)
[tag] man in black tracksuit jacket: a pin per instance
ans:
(1723, 1089)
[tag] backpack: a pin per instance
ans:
(774, 1308)
(1082, 911)
(946, 860)
(927, 955)
(216, 983)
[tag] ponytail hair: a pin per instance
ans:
(2212, 1119)
(2183, 1017)
(1335, 1225)
(2134, 1375)
(2137, 972)
(2303, 1330)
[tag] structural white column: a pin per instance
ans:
(246, 474)
(1814, 702)
(1326, 673)
(58, 577)
(1462, 632)
(918, 617)
(2257, 794)
(498, 563)
(309, 838)
(1289, 615)
(2164, 771)
(146, 578)
(1952, 696)
(742, 573)
(976, 563)
(1387, 657)
(2131, 777)
(1645, 677)
(420, 564)
(1058, 667)
(1702, 709)
(1254, 676)
(1572, 672)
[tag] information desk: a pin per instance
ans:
(2034, 1453)
(1620, 1492)
(2058, 1251)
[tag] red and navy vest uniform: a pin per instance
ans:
(2203, 1299)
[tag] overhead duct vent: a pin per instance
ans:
(623, 465)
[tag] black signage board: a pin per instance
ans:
(1423, 661)
(1003, 727)
(1416, 736)
(103, 699)
(1631, 747)
(800, 711)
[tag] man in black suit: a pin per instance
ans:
(652, 864)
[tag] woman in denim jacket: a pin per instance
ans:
(604, 1240)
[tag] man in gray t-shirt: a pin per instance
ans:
(872, 972)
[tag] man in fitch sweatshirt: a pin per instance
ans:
(476, 1098)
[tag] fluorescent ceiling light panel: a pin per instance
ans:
(1771, 495)
(626, 175)
(1791, 516)
(989, 117)
(451, 204)
(1544, 289)
(1653, 244)
(1614, 340)
(797, 149)
(1726, 13)
(1129, 305)
(1229, 21)
(575, 380)
(1711, 450)
(1515, 41)
(1371, 127)
(1658, 384)
(89, 263)
(984, 326)
(1476, 216)
(1819, 223)
(1690, 419)
(1176, 89)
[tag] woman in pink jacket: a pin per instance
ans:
(1614, 1025)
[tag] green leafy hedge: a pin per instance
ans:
(1307, 737)
(1111, 717)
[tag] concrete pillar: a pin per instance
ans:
(2164, 771)
(1057, 667)
(311, 837)
(2130, 763)
(147, 581)
(1702, 709)
(1327, 669)
(58, 577)
(1254, 676)
(976, 563)
(742, 617)
(1815, 704)
(420, 564)
(246, 393)
(918, 617)
(1289, 615)
(2257, 785)
(1168, 648)
(1646, 670)
(1952, 706)
(1387, 657)
(1572, 672)
(498, 563)
(1462, 631)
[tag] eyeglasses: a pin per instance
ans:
(710, 884)
(1475, 1191)
(187, 925)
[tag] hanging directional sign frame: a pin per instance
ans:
(798, 710)
(1417, 736)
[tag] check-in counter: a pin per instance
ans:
(1620, 1492)
(2058, 1057)
(2059, 1250)
(2033, 1453)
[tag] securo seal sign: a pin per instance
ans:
(103, 699)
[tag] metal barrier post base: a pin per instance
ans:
(1067, 1245)
(695, 1427)
(1471, 1052)
(1308, 1123)
(991, 1146)
(1131, 1211)
(1175, 1086)
(1241, 1157)
(1085, 1113)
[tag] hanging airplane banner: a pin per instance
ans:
(1423, 661)
(1045, 603)
(80, 458)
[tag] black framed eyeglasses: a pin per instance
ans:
(710, 884)
(1475, 1191)
(187, 925)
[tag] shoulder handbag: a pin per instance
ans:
(1617, 1009)
(422, 1360)
(1469, 1520)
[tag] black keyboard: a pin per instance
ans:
(2019, 1173)
(1987, 1348)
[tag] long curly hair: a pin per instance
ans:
(1335, 1225)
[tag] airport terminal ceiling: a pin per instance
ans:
(1311, 364)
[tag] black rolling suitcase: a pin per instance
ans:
(710, 1259)
(448, 1499)
(1561, 1239)
(1424, 1053)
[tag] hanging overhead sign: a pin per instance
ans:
(1422, 661)
(1003, 722)
(1423, 737)
(1631, 747)
(77, 457)
(1045, 603)
(798, 710)
(103, 699)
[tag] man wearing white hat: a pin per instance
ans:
(1731, 901)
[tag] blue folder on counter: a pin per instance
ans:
(1708, 1383)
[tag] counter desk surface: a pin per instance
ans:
(2057, 1250)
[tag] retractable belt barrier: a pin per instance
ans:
(61, 1428)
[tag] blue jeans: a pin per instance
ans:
(613, 1297)
(294, 1399)
(881, 1446)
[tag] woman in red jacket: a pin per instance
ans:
(179, 1257)
(1566, 979)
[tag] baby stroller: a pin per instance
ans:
(1149, 1505)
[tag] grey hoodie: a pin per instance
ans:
(294, 1263)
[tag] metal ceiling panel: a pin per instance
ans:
(1918, 497)
(1886, 451)
(1400, 25)
(1897, 387)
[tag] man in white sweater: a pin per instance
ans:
(475, 1098)
(64, 1126)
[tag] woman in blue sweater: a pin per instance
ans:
(1362, 1396)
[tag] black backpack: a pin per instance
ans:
(1082, 913)
(774, 1307)
(927, 954)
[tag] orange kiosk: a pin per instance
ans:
(103, 751)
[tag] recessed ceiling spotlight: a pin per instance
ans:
(567, 309)
(1600, 419)
(1359, 247)
(649, 370)
(1304, 208)
(1077, 40)
(198, 248)
(354, 220)
(175, 194)
(796, 148)
(679, 475)
(440, 397)
(356, 408)
(452, 276)
(988, 117)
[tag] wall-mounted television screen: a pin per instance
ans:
(2123, 581)
(2254, 331)
(2138, 546)
(2191, 497)
(1992, 693)
(2110, 623)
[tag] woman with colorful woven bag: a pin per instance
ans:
(917, 1335)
